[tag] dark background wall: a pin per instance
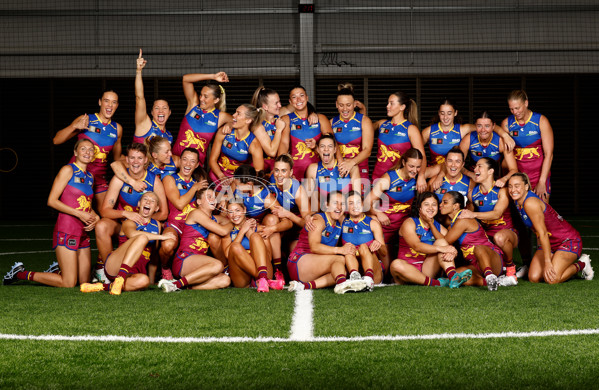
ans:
(33, 110)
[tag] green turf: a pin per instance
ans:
(548, 362)
(560, 362)
(34, 309)
(410, 310)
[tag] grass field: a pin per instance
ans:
(528, 336)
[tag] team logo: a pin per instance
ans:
(439, 141)
(338, 129)
(326, 234)
(94, 129)
(514, 133)
(80, 180)
(228, 145)
(386, 131)
(481, 203)
(443, 190)
(478, 154)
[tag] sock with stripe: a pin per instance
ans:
(124, 271)
(450, 271)
(262, 272)
(181, 283)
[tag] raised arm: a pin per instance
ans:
(63, 135)
(142, 120)
(189, 90)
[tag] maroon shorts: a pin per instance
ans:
(70, 241)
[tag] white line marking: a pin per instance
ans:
(26, 239)
(302, 328)
(32, 239)
(23, 253)
(199, 340)
(10, 226)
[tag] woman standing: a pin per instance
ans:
(238, 147)
(299, 132)
(354, 134)
(146, 127)
(533, 135)
(204, 115)
(397, 135)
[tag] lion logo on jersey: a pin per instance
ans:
(413, 253)
(349, 151)
(302, 151)
(468, 252)
(527, 153)
(191, 141)
(397, 208)
(146, 254)
(200, 245)
(184, 213)
(388, 153)
(440, 160)
(227, 165)
(84, 203)
(99, 155)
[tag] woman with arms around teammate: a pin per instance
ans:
(126, 267)
(366, 234)
(146, 127)
(558, 257)
(192, 267)
(104, 134)
(71, 195)
(486, 143)
(249, 254)
(180, 192)
(317, 261)
(292, 197)
(422, 250)
(270, 128)
(446, 132)
(300, 132)
(491, 208)
(204, 115)
(485, 258)
(397, 135)
(392, 195)
(354, 134)
(121, 202)
(240, 146)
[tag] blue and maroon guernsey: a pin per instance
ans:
(441, 142)
(103, 136)
(77, 194)
(348, 135)
(357, 232)
(154, 131)
(299, 131)
(392, 143)
(196, 131)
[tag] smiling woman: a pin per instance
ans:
(71, 195)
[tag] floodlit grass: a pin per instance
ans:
(535, 362)
(412, 310)
(560, 362)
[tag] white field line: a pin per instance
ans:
(10, 226)
(200, 340)
(302, 327)
(24, 253)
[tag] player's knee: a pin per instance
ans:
(534, 277)
(236, 249)
(270, 220)
(364, 250)
(168, 246)
(222, 281)
(397, 266)
(216, 267)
